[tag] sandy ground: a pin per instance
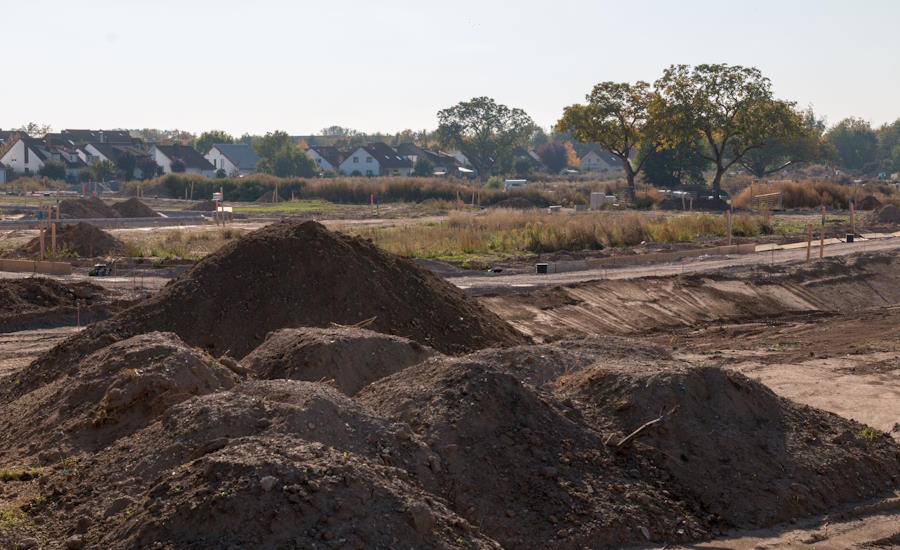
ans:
(18, 349)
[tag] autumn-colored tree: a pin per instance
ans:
(616, 116)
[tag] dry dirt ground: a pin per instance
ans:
(144, 437)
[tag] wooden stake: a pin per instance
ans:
(42, 244)
(852, 218)
(729, 227)
(822, 236)
(53, 241)
(808, 241)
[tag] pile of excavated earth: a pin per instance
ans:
(74, 239)
(887, 214)
(95, 208)
(301, 388)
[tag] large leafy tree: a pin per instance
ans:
(779, 153)
(485, 131)
(210, 138)
(677, 165)
(889, 145)
(34, 129)
(730, 107)
(279, 156)
(855, 142)
(554, 155)
(616, 116)
(126, 163)
(53, 169)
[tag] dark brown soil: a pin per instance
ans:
(515, 202)
(86, 208)
(35, 294)
(887, 214)
(80, 239)
(348, 358)
(133, 208)
(868, 202)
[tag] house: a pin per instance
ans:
(194, 162)
(78, 137)
(594, 161)
(442, 162)
(534, 161)
(23, 154)
(375, 159)
(236, 159)
(328, 157)
(93, 152)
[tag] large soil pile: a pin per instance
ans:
(519, 203)
(292, 274)
(22, 296)
(869, 202)
(887, 214)
(133, 208)
(86, 208)
(349, 358)
(81, 239)
(269, 196)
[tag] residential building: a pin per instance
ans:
(93, 152)
(23, 154)
(194, 162)
(328, 157)
(375, 159)
(594, 161)
(443, 163)
(236, 159)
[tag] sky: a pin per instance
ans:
(387, 65)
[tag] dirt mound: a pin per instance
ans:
(515, 202)
(81, 239)
(869, 202)
(113, 392)
(522, 465)
(21, 296)
(269, 196)
(292, 274)
(349, 358)
(730, 445)
(134, 208)
(202, 206)
(887, 214)
(86, 208)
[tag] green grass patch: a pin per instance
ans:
(20, 474)
(314, 206)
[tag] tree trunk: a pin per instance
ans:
(629, 176)
(717, 182)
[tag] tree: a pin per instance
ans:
(554, 155)
(617, 116)
(279, 156)
(484, 131)
(423, 167)
(210, 138)
(539, 137)
(34, 129)
(889, 145)
(126, 163)
(855, 142)
(779, 153)
(220, 174)
(102, 169)
(730, 107)
(148, 167)
(85, 174)
(53, 169)
(338, 131)
(674, 166)
(522, 167)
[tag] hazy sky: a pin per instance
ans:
(386, 65)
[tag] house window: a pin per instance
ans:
(355, 160)
(369, 160)
(368, 172)
(26, 155)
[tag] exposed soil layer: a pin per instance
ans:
(86, 208)
(79, 239)
(39, 294)
(869, 202)
(887, 214)
(348, 358)
(633, 306)
(269, 196)
(133, 208)
(515, 202)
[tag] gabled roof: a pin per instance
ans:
(410, 149)
(96, 136)
(241, 155)
(386, 156)
(113, 152)
(332, 154)
(190, 156)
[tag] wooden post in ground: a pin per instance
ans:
(808, 241)
(852, 217)
(822, 236)
(42, 244)
(53, 241)
(729, 226)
